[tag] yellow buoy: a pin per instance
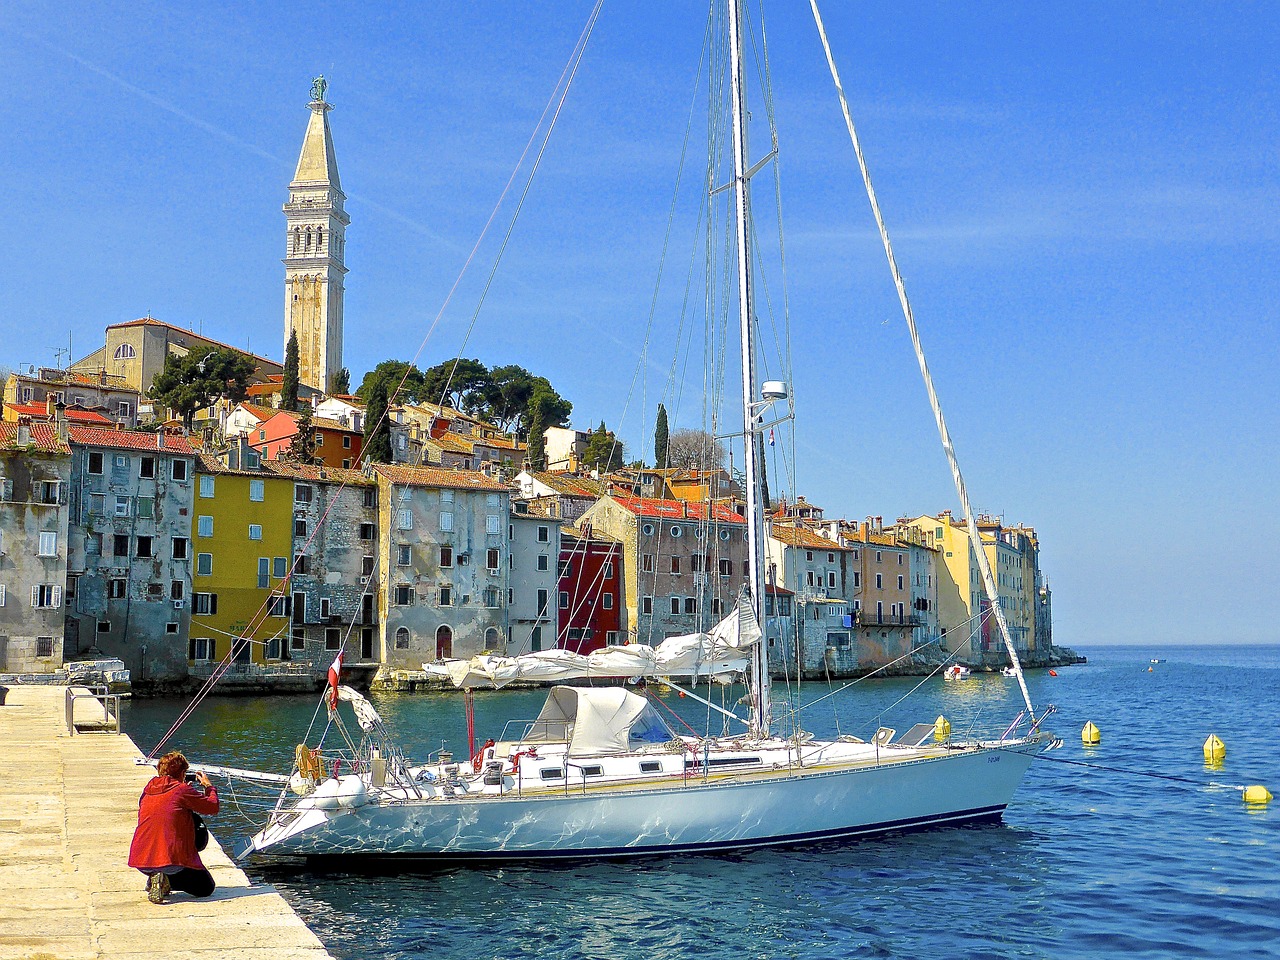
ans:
(941, 728)
(1214, 749)
(1090, 736)
(1257, 794)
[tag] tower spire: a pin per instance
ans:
(315, 237)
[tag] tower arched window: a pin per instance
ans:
(124, 352)
(319, 238)
(308, 240)
(297, 238)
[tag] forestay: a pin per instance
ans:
(722, 651)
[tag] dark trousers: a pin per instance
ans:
(198, 883)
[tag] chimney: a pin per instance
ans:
(49, 404)
(24, 431)
(160, 439)
(102, 376)
(61, 426)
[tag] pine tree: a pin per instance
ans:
(289, 395)
(660, 437)
(342, 381)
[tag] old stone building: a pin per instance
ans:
(443, 555)
(684, 563)
(35, 471)
(129, 558)
(532, 596)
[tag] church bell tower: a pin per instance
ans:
(315, 234)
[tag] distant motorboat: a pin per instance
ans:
(1008, 672)
(1161, 660)
(956, 672)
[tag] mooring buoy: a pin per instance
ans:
(1214, 749)
(1090, 736)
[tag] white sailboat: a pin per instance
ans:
(599, 773)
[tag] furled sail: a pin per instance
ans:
(721, 651)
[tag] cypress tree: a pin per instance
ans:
(377, 426)
(660, 436)
(537, 452)
(289, 395)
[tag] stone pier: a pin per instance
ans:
(68, 807)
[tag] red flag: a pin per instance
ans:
(335, 676)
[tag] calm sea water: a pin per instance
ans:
(1088, 863)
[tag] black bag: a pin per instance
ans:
(202, 832)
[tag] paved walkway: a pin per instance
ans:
(68, 807)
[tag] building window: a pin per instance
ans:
(646, 562)
(124, 352)
(491, 524)
(204, 564)
(446, 496)
(808, 555)
(535, 639)
(404, 595)
(300, 564)
(695, 563)
(94, 461)
(179, 470)
(178, 548)
(446, 555)
(257, 490)
(878, 556)
(607, 600)
(367, 531)
(608, 570)
(147, 468)
(326, 608)
(563, 568)
(46, 595)
(48, 544)
(675, 564)
(204, 603)
(646, 604)
(544, 535)
(300, 527)
(103, 626)
(490, 596)
(404, 555)
(717, 607)
(120, 544)
(121, 506)
(543, 562)
(206, 487)
(857, 579)
(146, 508)
(446, 521)
(302, 493)
(177, 589)
(542, 603)
(402, 638)
(446, 595)
(899, 559)
(97, 504)
(144, 551)
(279, 567)
(879, 582)
(332, 638)
(831, 579)
(675, 604)
(255, 531)
(564, 599)
(204, 526)
(726, 568)
(494, 562)
(900, 583)
(201, 648)
(279, 606)
(346, 442)
(690, 605)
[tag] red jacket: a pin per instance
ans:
(166, 834)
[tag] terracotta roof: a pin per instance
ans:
(153, 322)
(803, 537)
(129, 440)
(568, 484)
(257, 410)
(773, 588)
(74, 414)
(451, 442)
(44, 437)
(434, 477)
(678, 509)
(284, 470)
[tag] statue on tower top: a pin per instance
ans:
(318, 86)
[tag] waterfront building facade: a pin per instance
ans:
(35, 474)
(130, 553)
(444, 551)
(683, 563)
(589, 594)
(531, 594)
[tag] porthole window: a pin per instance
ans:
(676, 531)
(648, 529)
(697, 532)
(724, 535)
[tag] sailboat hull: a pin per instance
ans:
(701, 816)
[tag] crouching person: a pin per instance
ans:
(164, 844)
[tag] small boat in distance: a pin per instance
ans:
(1008, 672)
(956, 671)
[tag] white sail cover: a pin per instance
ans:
(366, 716)
(596, 721)
(723, 650)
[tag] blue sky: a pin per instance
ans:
(1082, 197)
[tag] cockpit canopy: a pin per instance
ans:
(596, 720)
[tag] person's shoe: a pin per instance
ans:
(157, 888)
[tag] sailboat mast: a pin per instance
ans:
(746, 320)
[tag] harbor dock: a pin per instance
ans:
(68, 808)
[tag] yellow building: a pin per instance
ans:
(960, 591)
(242, 536)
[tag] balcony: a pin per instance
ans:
(869, 618)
